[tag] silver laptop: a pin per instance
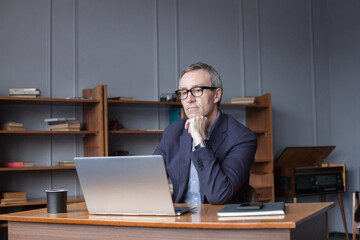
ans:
(126, 185)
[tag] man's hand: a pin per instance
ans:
(196, 127)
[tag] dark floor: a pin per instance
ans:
(339, 236)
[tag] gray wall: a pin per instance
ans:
(344, 62)
(304, 53)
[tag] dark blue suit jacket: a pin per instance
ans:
(223, 170)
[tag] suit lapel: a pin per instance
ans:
(219, 133)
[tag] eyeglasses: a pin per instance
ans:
(195, 91)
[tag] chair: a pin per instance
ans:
(355, 206)
(252, 195)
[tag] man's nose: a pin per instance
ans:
(190, 97)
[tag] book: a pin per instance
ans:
(13, 201)
(273, 208)
(24, 96)
(243, 100)
(241, 218)
(10, 195)
(17, 164)
(47, 120)
(62, 122)
(23, 89)
(121, 98)
(12, 126)
(66, 163)
(65, 125)
(24, 93)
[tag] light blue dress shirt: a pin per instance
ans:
(193, 192)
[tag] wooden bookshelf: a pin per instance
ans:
(93, 119)
(91, 104)
(259, 120)
(96, 133)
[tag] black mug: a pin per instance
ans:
(56, 200)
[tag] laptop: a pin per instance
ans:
(126, 185)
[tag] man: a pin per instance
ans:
(208, 155)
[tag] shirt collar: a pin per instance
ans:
(212, 126)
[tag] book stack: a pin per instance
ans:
(63, 124)
(13, 197)
(243, 100)
(17, 164)
(24, 92)
(12, 126)
(66, 164)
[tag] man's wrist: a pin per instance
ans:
(203, 144)
(198, 139)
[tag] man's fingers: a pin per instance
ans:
(187, 124)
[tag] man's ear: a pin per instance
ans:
(218, 94)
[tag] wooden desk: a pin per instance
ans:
(302, 221)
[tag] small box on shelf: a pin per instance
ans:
(17, 164)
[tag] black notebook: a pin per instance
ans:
(274, 208)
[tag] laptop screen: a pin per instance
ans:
(125, 185)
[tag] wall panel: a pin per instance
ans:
(286, 70)
(115, 47)
(206, 37)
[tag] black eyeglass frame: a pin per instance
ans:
(190, 90)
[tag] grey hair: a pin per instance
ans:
(215, 79)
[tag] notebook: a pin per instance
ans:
(126, 185)
(268, 209)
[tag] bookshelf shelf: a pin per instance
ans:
(3, 169)
(264, 193)
(262, 160)
(144, 102)
(48, 100)
(258, 131)
(47, 132)
(262, 105)
(137, 131)
(39, 201)
(243, 105)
